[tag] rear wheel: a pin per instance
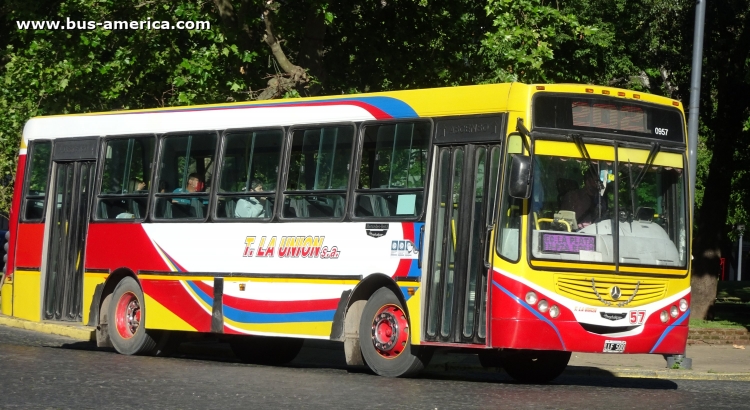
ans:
(127, 318)
(266, 350)
(384, 337)
(535, 366)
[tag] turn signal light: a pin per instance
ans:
(554, 311)
(674, 311)
(543, 306)
(683, 305)
(531, 298)
(664, 316)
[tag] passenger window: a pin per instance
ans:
(392, 170)
(126, 178)
(249, 173)
(318, 172)
(185, 176)
(36, 191)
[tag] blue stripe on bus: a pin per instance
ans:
(242, 316)
(532, 310)
(669, 329)
(389, 105)
(405, 292)
(414, 270)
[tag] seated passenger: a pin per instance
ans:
(251, 207)
(583, 201)
(194, 184)
(137, 184)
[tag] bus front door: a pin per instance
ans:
(71, 194)
(462, 214)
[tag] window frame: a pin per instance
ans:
(27, 180)
(283, 179)
(102, 159)
(275, 214)
(207, 217)
(357, 170)
(601, 267)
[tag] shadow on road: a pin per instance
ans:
(323, 354)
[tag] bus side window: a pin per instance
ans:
(319, 168)
(126, 178)
(392, 170)
(186, 171)
(249, 174)
(37, 178)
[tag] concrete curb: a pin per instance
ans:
(615, 372)
(82, 333)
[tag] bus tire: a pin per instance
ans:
(535, 366)
(127, 319)
(270, 351)
(385, 339)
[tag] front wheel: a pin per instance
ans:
(127, 319)
(535, 366)
(384, 337)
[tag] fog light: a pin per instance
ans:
(543, 306)
(554, 312)
(673, 311)
(683, 305)
(531, 298)
(664, 316)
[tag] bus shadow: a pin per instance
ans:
(321, 354)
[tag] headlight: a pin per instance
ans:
(531, 298)
(664, 316)
(554, 312)
(543, 306)
(683, 305)
(674, 311)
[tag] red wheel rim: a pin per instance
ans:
(128, 315)
(390, 331)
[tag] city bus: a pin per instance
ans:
(522, 221)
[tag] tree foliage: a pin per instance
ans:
(283, 48)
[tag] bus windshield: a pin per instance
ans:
(575, 213)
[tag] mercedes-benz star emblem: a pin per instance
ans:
(615, 292)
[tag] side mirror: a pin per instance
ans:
(519, 184)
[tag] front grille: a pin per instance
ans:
(581, 288)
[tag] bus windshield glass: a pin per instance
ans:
(575, 216)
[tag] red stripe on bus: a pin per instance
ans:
(280, 306)
(173, 296)
(404, 265)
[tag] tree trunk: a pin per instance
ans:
(725, 116)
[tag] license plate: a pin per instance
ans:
(614, 346)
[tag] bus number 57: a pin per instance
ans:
(636, 316)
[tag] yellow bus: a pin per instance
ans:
(523, 221)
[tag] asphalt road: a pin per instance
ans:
(45, 371)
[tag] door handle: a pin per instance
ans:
(421, 247)
(487, 236)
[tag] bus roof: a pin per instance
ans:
(432, 102)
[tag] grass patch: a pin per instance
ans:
(715, 324)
